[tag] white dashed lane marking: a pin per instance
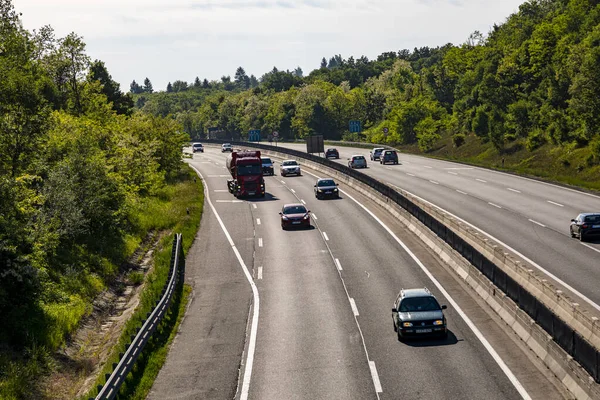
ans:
(409, 174)
(513, 190)
(354, 308)
(302, 201)
(260, 242)
(338, 264)
(494, 205)
(556, 204)
(257, 221)
(325, 236)
(253, 205)
(260, 272)
(314, 216)
(452, 173)
(537, 223)
(434, 182)
(480, 180)
(461, 192)
(375, 377)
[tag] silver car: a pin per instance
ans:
(375, 154)
(290, 167)
(357, 161)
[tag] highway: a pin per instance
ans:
(529, 216)
(307, 314)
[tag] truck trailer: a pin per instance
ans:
(246, 170)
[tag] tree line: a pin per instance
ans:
(532, 80)
(76, 166)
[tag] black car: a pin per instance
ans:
(388, 156)
(416, 313)
(585, 225)
(326, 187)
(332, 153)
(267, 166)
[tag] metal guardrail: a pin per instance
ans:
(571, 341)
(127, 360)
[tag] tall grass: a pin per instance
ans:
(179, 209)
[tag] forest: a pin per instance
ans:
(78, 171)
(532, 81)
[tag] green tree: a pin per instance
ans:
(122, 103)
(148, 86)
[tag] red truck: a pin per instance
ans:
(245, 168)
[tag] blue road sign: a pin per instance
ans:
(355, 126)
(254, 135)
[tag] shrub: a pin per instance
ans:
(458, 139)
(535, 139)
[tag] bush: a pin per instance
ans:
(459, 139)
(535, 139)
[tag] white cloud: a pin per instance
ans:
(181, 39)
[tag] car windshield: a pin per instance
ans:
(331, 150)
(197, 145)
(250, 169)
(294, 210)
(326, 182)
(286, 163)
(412, 304)
(266, 160)
(592, 219)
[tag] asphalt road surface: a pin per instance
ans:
(322, 328)
(529, 216)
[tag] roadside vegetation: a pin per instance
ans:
(84, 179)
(527, 91)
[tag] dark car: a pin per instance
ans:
(585, 225)
(416, 313)
(332, 153)
(267, 166)
(326, 187)
(197, 147)
(294, 215)
(388, 156)
(376, 153)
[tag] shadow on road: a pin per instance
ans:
(432, 341)
(268, 197)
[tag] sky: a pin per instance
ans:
(168, 40)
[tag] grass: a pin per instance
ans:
(180, 209)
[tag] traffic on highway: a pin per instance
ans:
(305, 312)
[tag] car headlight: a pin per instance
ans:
(335, 190)
(438, 322)
(284, 218)
(407, 324)
(306, 216)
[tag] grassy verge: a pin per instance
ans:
(181, 212)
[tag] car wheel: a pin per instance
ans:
(395, 328)
(581, 237)
(400, 338)
(571, 231)
(445, 335)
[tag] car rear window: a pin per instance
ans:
(592, 219)
(413, 304)
(294, 210)
(266, 160)
(358, 157)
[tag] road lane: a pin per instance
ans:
(547, 245)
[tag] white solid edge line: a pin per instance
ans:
(354, 308)
(513, 379)
(551, 275)
(256, 298)
(375, 377)
(590, 247)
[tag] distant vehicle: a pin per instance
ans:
(326, 187)
(267, 166)
(416, 312)
(294, 215)
(226, 147)
(388, 156)
(376, 153)
(246, 173)
(290, 167)
(585, 225)
(357, 161)
(332, 153)
(197, 147)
